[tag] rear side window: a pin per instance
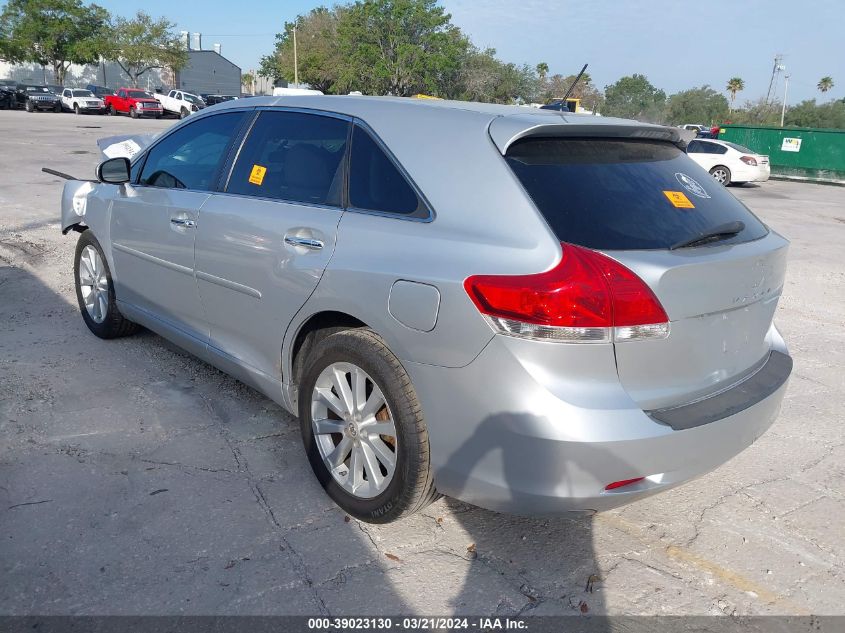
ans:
(293, 156)
(375, 182)
(624, 194)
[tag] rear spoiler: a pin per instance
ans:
(504, 131)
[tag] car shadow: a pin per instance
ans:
(551, 559)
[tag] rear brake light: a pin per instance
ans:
(623, 483)
(749, 160)
(588, 298)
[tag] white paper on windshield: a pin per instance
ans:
(127, 148)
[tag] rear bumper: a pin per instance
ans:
(504, 440)
(760, 173)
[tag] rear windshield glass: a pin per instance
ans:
(739, 148)
(625, 194)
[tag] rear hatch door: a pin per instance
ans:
(645, 203)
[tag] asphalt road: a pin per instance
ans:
(137, 480)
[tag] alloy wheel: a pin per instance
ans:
(93, 284)
(354, 430)
(720, 175)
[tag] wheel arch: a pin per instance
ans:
(309, 333)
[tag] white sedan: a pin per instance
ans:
(728, 162)
(80, 101)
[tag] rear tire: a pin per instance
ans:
(721, 174)
(396, 490)
(95, 291)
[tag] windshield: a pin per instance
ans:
(139, 94)
(37, 89)
(82, 93)
(192, 99)
(621, 194)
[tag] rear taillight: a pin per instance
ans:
(749, 160)
(587, 298)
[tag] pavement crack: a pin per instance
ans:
(29, 503)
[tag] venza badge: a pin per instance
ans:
(691, 185)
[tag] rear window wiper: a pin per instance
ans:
(721, 232)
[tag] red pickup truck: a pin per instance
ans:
(134, 102)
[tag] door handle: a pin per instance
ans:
(187, 223)
(307, 242)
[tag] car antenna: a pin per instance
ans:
(574, 83)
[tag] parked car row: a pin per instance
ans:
(95, 99)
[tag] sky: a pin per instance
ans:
(677, 44)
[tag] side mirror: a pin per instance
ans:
(114, 171)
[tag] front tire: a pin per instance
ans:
(95, 291)
(721, 174)
(29, 107)
(112, 111)
(133, 112)
(57, 108)
(183, 113)
(76, 108)
(363, 428)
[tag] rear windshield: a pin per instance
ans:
(625, 194)
(739, 148)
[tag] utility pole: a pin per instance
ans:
(785, 90)
(295, 63)
(778, 66)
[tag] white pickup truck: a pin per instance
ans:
(180, 103)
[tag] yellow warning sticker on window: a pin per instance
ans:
(256, 176)
(678, 199)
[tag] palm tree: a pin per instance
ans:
(247, 79)
(825, 84)
(735, 84)
(542, 70)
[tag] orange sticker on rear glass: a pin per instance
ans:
(679, 200)
(256, 176)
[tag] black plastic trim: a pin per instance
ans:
(744, 395)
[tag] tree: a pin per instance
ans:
(318, 56)
(810, 114)
(485, 78)
(557, 85)
(54, 33)
(633, 97)
(144, 43)
(696, 105)
(398, 47)
(758, 112)
(248, 80)
(735, 84)
(542, 70)
(825, 84)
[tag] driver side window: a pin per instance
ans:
(189, 157)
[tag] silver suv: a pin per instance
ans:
(530, 311)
